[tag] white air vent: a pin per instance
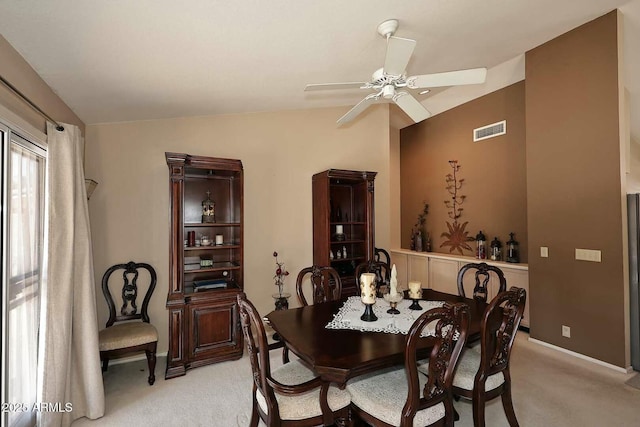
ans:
(489, 131)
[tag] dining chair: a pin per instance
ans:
(291, 394)
(122, 335)
(382, 255)
(483, 372)
(482, 272)
(403, 396)
(381, 270)
(325, 284)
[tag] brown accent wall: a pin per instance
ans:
(493, 170)
(574, 190)
(19, 73)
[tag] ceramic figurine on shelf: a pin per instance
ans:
(330, 254)
(344, 252)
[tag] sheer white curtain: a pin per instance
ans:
(69, 367)
(24, 257)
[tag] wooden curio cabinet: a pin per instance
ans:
(205, 261)
(343, 201)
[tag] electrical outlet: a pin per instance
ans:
(566, 331)
(544, 252)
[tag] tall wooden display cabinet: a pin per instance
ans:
(205, 261)
(343, 222)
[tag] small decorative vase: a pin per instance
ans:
(418, 241)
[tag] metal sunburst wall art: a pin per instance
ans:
(457, 237)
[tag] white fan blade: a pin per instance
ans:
(449, 78)
(331, 86)
(411, 106)
(399, 52)
(359, 108)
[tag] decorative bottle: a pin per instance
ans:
(481, 248)
(512, 250)
(496, 250)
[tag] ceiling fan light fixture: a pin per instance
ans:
(388, 92)
(390, 81)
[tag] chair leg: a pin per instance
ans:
(255, 417)
(151, 361)
(478, 408)
(105, 364)
(507, 404)
(285, 354)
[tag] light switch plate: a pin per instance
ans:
(544, 252)
(588, 255)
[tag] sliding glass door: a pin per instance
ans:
(23, 197)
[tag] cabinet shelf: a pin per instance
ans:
(348, 223)
(346, 242)
(217, 266)
(359, 258)
(211, 224)
(211, 248)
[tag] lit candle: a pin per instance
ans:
(415, 290)
(368, 288)
(339, 229)
(394, 281)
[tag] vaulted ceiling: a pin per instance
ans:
(123, 60)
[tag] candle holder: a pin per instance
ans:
(393, 302)
(415, 305)
(368, 315)
(368, 296)
(415, 293)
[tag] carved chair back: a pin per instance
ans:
(482, 276)
(129, 292)
(325, 284)
(382, 255)
(257, 347)
(450, 338)
(499, 326)
(381, 270)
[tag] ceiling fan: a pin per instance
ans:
(390, 81)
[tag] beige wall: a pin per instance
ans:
(19, 73)
(493, 170)
(575, 190)
(280, 152)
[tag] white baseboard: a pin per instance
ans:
(135, 358)
(582, 356)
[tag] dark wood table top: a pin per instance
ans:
(337, 355)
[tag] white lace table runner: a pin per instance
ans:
(348, 317)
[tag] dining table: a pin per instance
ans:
(337, 355)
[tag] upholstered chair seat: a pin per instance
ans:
(127, 335)
(290, 395)
(383, 395)
(128, 329)
(305, 405)
(467, 369)
(404, 397)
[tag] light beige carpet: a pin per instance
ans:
(634, 381)
(550, 389)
